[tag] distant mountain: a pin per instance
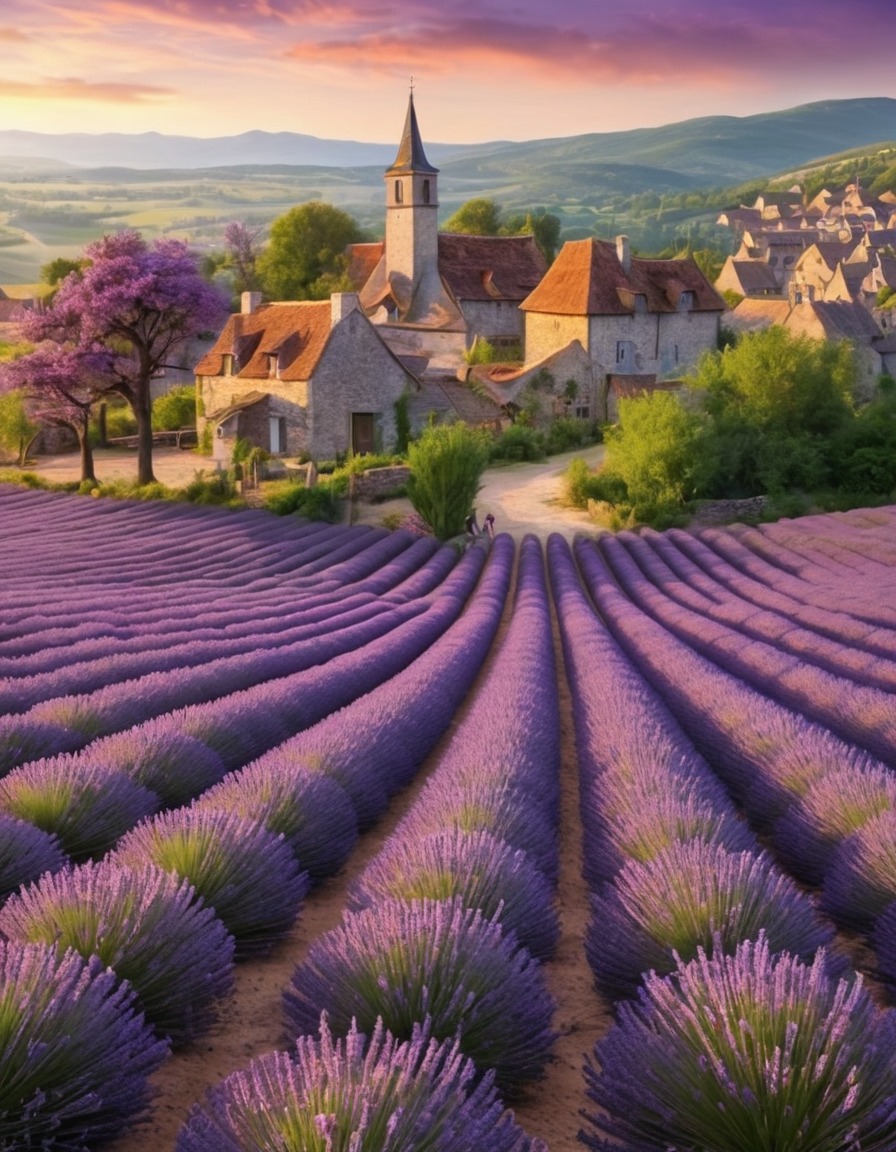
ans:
(697, 153)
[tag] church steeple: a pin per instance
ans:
(411, 157)
(412, 230)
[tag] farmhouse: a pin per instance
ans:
(307, 378)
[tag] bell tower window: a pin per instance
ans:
(398, 192)
(426, 192)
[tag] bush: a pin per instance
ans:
(746, 1052)
(317, 503)
(248, 875)
(653, 450)
(175, 409)
(218, 488)
(75, 1055)
(352, 1095)
(477, 868)
(120, 421)
(406, 962)
(447, 463)
(147, 926)
(169, 763)
(691, 896)
(567, 432)
(581, 485)
(26, 852)
(518, 442)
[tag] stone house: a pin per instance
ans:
(308, 378)
(753, 278)
(632, 316)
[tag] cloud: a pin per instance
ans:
(71, 88)
(13, 36)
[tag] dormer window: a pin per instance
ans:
(640, 303)
(273, 364)
(686, 302)
(227, 364)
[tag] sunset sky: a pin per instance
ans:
(483, 69)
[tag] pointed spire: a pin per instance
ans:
(411, 157)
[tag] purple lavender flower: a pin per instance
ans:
(692, 896)
(248, 875)
(482, 871)
(861, 880)
(405, 962)
(308, 808)
(355, 1095)
(749, 1051)
(173, 765)
(26, 852)
(75, 1055)
(148, 926)
(88, 807)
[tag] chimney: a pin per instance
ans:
(623, 253)
(341, 303)
(249, 301)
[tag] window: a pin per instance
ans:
(227, 365)
(426, 192)
(583, 411)
(398, 192)
(686, 302)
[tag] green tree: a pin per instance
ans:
(447, 463)
(17, 431)
(175, 409)
(653, 449)
(305, 256)
(478, 217)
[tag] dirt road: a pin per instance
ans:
(522, 497)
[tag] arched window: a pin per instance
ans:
(425, 191)
(398, 192)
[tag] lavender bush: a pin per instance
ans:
(26, 852)
(861, 880)
(356, 1095)
(478, 869)
(173, 765)
(147, 926)
(248, 875)
(75, 1055)
(406, 962)
(748, 1051)
(695, 896)
(308, 808)
(88, 807)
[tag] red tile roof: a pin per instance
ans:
(362, 259)
(490, 267)
(296, 333)
(587, 279)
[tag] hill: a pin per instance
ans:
(663, 185)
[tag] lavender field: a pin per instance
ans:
(538, 846)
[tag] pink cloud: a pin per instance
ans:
(13, 36)
(71, 88)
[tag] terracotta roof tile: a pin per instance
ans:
(296, 333)
(587, 279)
(489, 267)
(362, 260)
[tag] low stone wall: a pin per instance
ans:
(378, 483)
(729, 511)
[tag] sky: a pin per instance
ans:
(482, 69)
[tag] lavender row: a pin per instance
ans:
(686, 586)
(813, 794)
(859, 714)
(448, 923)
(726, 938)
(89, 803)
(672, 867)
(405, 580)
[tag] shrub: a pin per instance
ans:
(175, 409)
(75, 1055)
(218, 488)
(308, 808)
(694, 896)
(88, 807)
(748, 1051)
(406, 962)
(861, 880)
(518, 442)
(26, 852)
(353, 1096)
(567, 432)
(478, 869)
(318, 503)
(447, 463)
(582, 485)
(246, 874)
(147, 926)
(173, 765)
(653, 449)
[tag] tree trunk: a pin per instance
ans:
(87, 472)
(143, 413)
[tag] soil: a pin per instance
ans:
(523, 498)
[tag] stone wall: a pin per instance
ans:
(377, 483)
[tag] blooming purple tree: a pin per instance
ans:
(124, 314)
(59, 383)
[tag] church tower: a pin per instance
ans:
(412, 206)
